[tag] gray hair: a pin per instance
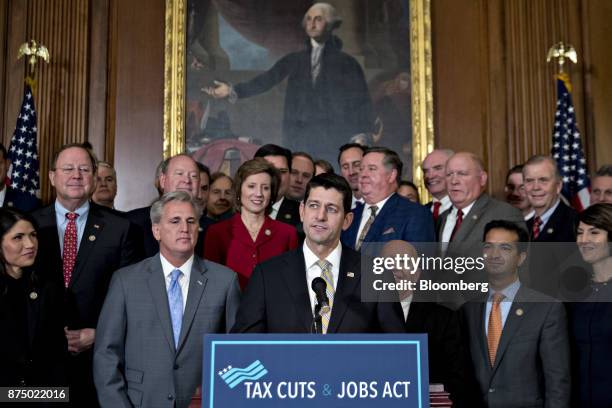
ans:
(108, 166)
(604, 171)
(329, 12)
(157, 208)
(539, 159)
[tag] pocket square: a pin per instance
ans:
(389, 231)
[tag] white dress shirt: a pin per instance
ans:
(406, 305)
(365, 215)
(275, 207)
(510, 293)
(445, 204)
(313, 270)
(62, 222)
(451, 220)
(2, 196)
(183, 279)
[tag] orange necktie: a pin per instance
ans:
(495, 327)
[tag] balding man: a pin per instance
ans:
(461, 228)
(327, 96)
(177, 173)
(434, 173)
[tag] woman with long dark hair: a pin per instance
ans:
(591, 319)
(32, 345)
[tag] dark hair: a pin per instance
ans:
(523, 237)
(603, 171)
(514, 170)
(218, 175)
(92, 156)
(391, 159)
(257, 165)
(325, 165)
(3, 151)
(274, 150)
(598, 215)
(306, 156)
(203, 169)
(409, 183)
(347, 146)
(8, 218)
(331, 180)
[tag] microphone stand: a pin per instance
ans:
(316, 326)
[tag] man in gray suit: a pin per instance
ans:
(148, 349)
(518, 337)
(461, 227)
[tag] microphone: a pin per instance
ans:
(319, 286)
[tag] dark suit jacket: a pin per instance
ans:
(141, 218)
(448, 357)
(277, 300)
(40, 361)
(229, 243)
(547, 260)
(136, 362)
(468, 239)
(400, 219)
(289, 213)
(106, 246)
(532, 365)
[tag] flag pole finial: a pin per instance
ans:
(33, 50)
(561, 52)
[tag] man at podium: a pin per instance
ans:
(279, 298)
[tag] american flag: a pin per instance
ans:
(24, 178)
(567, 148)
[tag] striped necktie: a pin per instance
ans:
(366, 227)
(326, 275)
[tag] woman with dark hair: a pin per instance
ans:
(32, 345)
(591, 320)
(250, 236)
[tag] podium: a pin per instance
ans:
(305, 370)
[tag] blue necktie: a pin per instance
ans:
(175, 300)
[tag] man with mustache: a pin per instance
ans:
(434, 172)
(81, 245)
(177, 173)
(515, 192)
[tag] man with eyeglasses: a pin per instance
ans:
(81, 244)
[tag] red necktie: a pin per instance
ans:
(436, 210)
(457, 224)
(537, 221)
(70, 247)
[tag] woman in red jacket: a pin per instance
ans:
(250, 236)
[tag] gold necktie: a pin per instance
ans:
(326, 275)
(495, 327)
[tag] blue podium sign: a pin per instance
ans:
(304, 370)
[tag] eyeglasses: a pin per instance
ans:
(67, 170)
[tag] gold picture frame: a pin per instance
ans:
(421, 82)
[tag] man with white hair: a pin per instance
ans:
(327, 96)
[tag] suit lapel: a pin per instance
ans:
(479, 320)
(297, 286)
(48, 233)
(347, 285)
(471, 219)
(197, 284)
(376, 230)
(350, 235)
(93, 228)
(513, 323)
(157, 287)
